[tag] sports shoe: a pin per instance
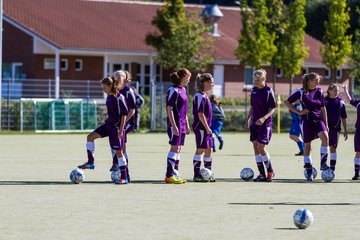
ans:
(87, 166)
(174, 180)
(310, 178)
(121, 181)
(356, 177)
(212, 178)
(199, 179)
(324, 166)
(299, 154)
(114, 168)
(214, 149)
(260, 178)
(221, 145)
(270, 176)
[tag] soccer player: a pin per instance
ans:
(113, 127)
(262, 106)
(202, 114)
(177, 122)
(355, 103)
(295, 130)
(336, 113)
(313, 119)
(218, 116)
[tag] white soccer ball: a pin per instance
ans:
(314, 173)
(327, 175)
(115, 175)
(247, 174)
(206, 173)
(77, 176)
(303, 218)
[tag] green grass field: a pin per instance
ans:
(37, 201)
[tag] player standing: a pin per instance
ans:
(295, 130)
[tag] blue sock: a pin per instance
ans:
(220, 138)
(301, 146)
(213, 144)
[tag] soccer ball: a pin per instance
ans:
(206, 173)
(303, 218)
(327, 175)
(314, 173)
(247, 174)
(77, 176)
(115, 175)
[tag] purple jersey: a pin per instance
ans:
(336, 110)
(201, 104)
(314, 100)
(262, 101)
(116, 108)
(177, 99)
(356, 103)
(129, 95)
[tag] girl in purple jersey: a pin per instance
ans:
(356, 104)
(202, 112)
(113, 128)
(260, 120)
(177, 122)
(336, 113)
(313, 119)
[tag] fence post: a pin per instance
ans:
(21, 116)
(49, 88)
(53, 115)
(8, 104)
(35, 116)
(82, 114)
(67, 117)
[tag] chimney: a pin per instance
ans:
(211, 14)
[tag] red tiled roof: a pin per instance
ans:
(115, 25)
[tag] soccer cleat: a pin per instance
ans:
(221, 145)
(114, 168)
(310, 178)
(356, 177)
(324, 166)
(212, 178)
(270, 176)
(121, 181)
(87, 166)
(199, 179)
(299, 154)
(260, 178)
(174, 180)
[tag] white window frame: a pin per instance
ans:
(81, 65)
(49, 63)
(66, 61)
(340, 76)
(281, 73)
(327, 76)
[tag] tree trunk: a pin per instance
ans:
(290, 89)
(274, 78)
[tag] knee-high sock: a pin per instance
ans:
(333, 157)
(123, 169)
(171, 158)
(324, 154)
(308, 164)
(197, 164)
(301, 146)
(357, 166)
(266, 160)
(90, 149)
(213, 144)
(208, 162)
(260, 164)
(177, 161)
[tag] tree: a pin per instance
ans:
(337, 44)
(292, 48)
(355, 56)
(181, 40)
(255, 44)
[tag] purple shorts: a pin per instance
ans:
(334, 134)
(176, 140)
(111, 131)
(311, 129)
(203, 140)
(357, 140)
(261, 134)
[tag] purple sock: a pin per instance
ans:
(197, 165)
(357, 168)
(91, 157)
(308, 168)
(177, 164)
(261, 168)
(123, 172)
(170, 167)
(268, 166)
(332, 164)
(208, 165)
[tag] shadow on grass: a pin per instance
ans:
(293, 204)
(4, 183)
(294, 228)
(288, 180)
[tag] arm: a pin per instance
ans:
(293, 109)
(248, 119)
(170, 114)
(130, 114)
(324, 115)
(121, 127)
(204, 122)
(187, 126)
(345, 128)
(260, 121)
(346, 90)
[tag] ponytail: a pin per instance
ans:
(309, 77)
(111, 82)
(176, 77)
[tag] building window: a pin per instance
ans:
(78, 65)
(305, 71)
(49, 63)
(279, 72)
(248, 76)
(327, 73)
(338, 74)
(64, 64)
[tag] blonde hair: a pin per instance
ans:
(309, 77)
(111, 82)
(201, 78)
(259, 73)
(331, 87)
(128, 76)
(120, 73)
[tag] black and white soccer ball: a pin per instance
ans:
(247, 174)
(77, 176)
(314, 173)
(303, 218)
(327, 175)
(206, 173)
(115, 175)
